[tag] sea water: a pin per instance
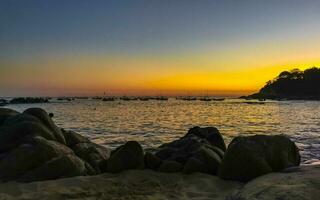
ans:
(153, 122)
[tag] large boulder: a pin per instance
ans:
(44, 117)
(211, 134)
(5, 113)
(92, 153)
(16, 128)
(200, 150)
(127, 156)
(59, 167)
(29, 156)
(210, 159)
(249, 157)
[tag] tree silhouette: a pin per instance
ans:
(294, 84)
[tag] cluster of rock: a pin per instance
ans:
(33, 148)
(203, 150)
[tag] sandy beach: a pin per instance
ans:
(303, 183)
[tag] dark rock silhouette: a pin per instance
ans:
(170, 166)
(127, 156)
(294, 84)
(152, 161)
(33, 148)
(253, 156)
(202, 145)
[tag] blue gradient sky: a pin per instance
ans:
(158, 43)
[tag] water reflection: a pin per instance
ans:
(154, 122)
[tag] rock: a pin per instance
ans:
(205, 145)
(72, 138)
(210, 158)
(164, 153)
(46, 120)
(253, 156)
(194, 165)
(211, 134)
(169, 166)
(16, 128)
(92, 153)
(58, 167)
(5, 113)
(128, 156)
(29, 156)
(216, 150)
(50, 148)
(152, 161)
(300, 185)
(33, 148)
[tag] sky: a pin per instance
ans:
(163, 47)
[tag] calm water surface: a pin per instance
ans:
(155, 122)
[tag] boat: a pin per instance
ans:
(205, 99)
(189, 98)
(218, 99)
(125, 98)
(108, 99)
(161, 98)
(144, 98)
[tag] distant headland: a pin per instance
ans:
(291, 85)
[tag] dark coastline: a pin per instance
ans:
(291, 85)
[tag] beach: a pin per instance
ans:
(146, 184)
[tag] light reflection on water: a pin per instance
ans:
(155, 122)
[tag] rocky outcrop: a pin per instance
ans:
(200, 150)
(33, 148)
(253, 156)
(299, 183)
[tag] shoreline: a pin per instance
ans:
(302, 183)
(40, 160)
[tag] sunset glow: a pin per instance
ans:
(58, 48)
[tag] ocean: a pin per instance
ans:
(154, 122)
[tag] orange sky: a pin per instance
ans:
(153, 47)
(180, 75)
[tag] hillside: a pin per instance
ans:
(294, 84)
